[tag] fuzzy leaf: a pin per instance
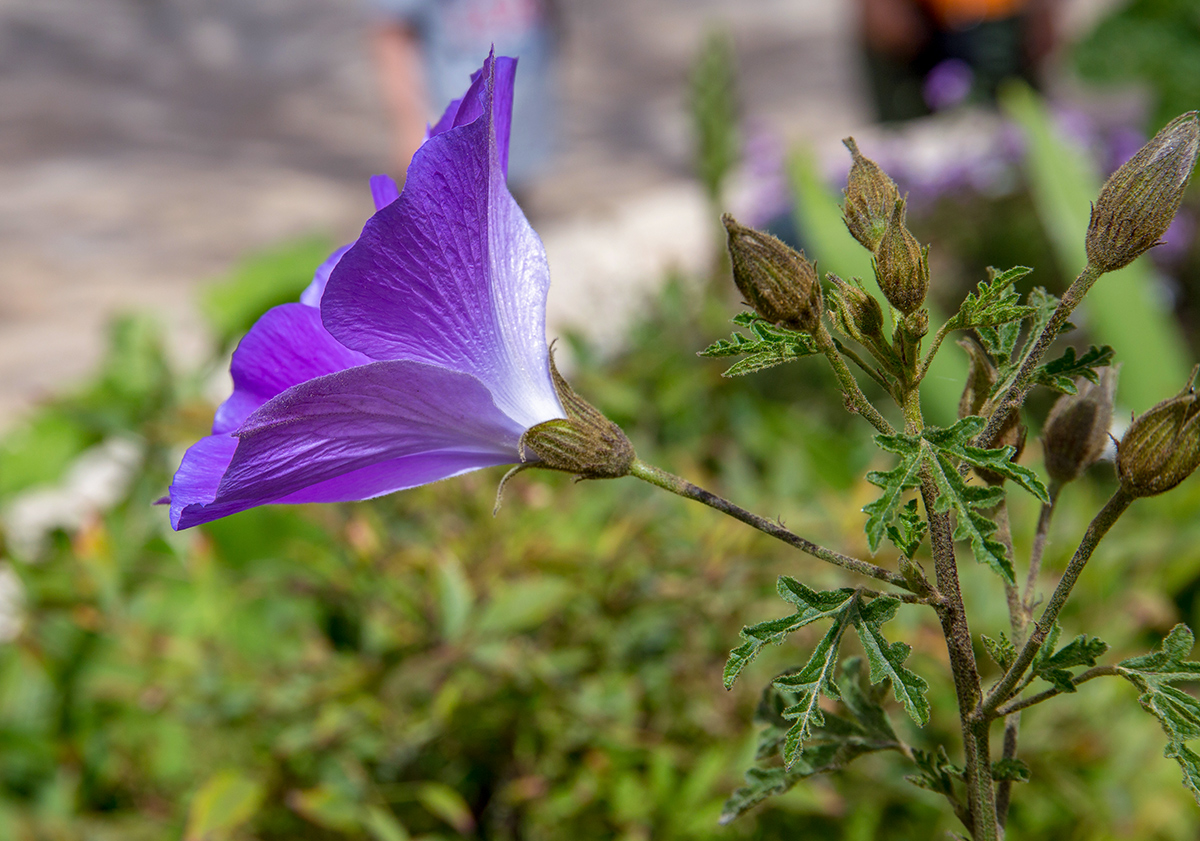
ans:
(909, 530)
(887, 659)
(956, 439)
(894, 483)
(770, 346)
(1002, 651)
(1010, 769)
(965, 500)
(863, 701)
(807, 685)
(993, 302)
(936, 773)
(1176, 710)
(812, 605)
(1081, 651)
(1060, 374)
(864, 729)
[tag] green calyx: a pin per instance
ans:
(775, 279)
(1162, 446)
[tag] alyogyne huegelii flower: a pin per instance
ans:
(418, 352)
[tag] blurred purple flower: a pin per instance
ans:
(417, 353)
(948, 84)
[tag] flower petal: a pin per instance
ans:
(473, 104)
(452, 274)
(285, 347)
(383, 192)
(354, 434)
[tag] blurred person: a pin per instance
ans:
(424, 50)
(927, 55)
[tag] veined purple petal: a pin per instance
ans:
(311, 296)
(286, 347)
(383, 190)
(460, 112)
(354, 434)
(452, 274)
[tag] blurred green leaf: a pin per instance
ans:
(455, 597)
(227, 801)
(523, 605)
(447, 804)
(714, 112)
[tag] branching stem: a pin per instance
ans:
(684, 488)
(1096, 530)
(1015, 395)
(1082, 677)
(856, 401)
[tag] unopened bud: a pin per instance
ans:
(1076, 430)
(776, 280)
(981, 378)
(1162, 447)
(900, 264)
(858, 313)
(1140, 199)
(870, 196)
(585, 442)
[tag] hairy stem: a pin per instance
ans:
(934, 346)
(1082, 677)
(1014, 397)
(684, 488)
(981, 796)
(1035, 555)
(1096, 530)
(856, 401)
(873, 373)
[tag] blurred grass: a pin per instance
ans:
(412, 667)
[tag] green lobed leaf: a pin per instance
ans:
(935, 771)
(771, 346)
(887, 659)
(1176, 710)
(1002, 651)
(955, 440)
(815, 678)
(954, 494)
(909, 530)
(993, 302)
(1060, 374)
(813, 605)
(894, 483)
(839, 740)
(1013, 770)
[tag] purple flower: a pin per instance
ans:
(418, 352)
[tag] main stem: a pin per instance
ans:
(981, 793)
(1096, 530)
(684, 488)
(1014, 397)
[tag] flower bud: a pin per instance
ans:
(870, 196)
(776, 280)
(981, 378)
(1076, 430)
(858, 313)
(900, 264)
(585, 442)
(1140, 199)
(1162, 447)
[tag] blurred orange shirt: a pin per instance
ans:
(958, 12)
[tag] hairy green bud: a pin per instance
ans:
(901, 266)
(981, 379)
(1140, 199)
(776, 280)
(1076, 430)
(1162, 446)
(858, 314)
(870, 196)
(585, 442)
